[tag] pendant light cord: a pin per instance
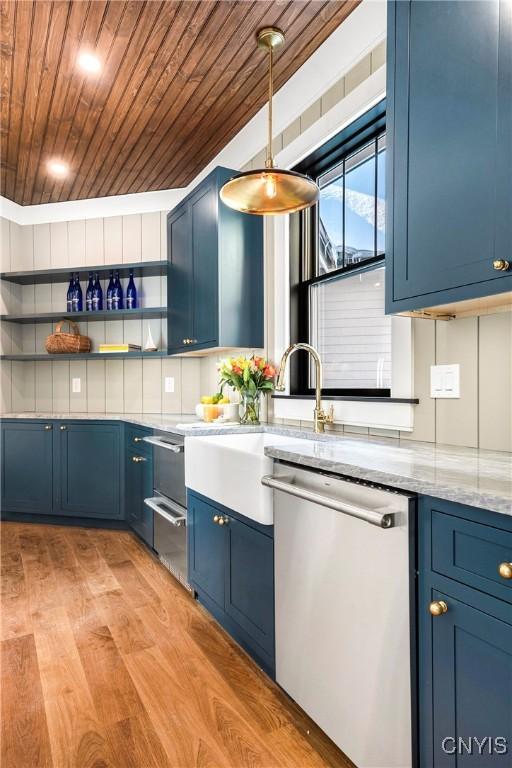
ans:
(270, 159)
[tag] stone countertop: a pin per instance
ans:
(478, 478)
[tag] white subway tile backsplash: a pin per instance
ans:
(43, 386)
(114, 386)
(60, 383)
(151, 386)
(133, 386)
(96, 385)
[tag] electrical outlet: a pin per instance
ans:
(445, 381)
(76, 385)
(169, 384)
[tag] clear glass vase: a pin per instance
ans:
(250, 407)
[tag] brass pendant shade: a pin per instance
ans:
(269, 191)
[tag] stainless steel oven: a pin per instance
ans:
(169, 502)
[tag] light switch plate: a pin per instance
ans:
(76, 385)
(445, 381)
(169, 384)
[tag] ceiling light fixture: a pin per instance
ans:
(57, 168)
(89, 62)
(269, 190)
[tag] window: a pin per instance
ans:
(337, 266)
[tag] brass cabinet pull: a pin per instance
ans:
(505, 570)
(48, 427)
(189, 341)
(62, 427)
(437, 607)
(501, 265)
(138, 459)
(137, 439)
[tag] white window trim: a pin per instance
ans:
(389, 416)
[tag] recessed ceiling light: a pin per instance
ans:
(89, 62)
(58, 169)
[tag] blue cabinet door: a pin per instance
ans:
(471, 687)
(203, 208)
(139, 486)
(27, 469)
(180, 277)
(88, 470)
(449, 123)
(250, 582)
(206, 549)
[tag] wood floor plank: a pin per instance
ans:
(135, 744)
(127, 629)
(77, 738)
(25, 739)
(99, 576)
(135, 587)
(113, 692)
(77, 598)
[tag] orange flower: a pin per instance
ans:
(237, 370)
(269, 371)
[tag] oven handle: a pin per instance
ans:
(382, 520)
(164, 444)
(155, 502)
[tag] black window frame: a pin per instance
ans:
(303, 250)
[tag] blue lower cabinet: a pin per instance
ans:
(465, 637)
(89, 470)
(231, 567)
(139, 486)
(27, 472)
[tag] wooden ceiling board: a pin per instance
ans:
(179, 79)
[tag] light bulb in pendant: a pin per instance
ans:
(270, 185)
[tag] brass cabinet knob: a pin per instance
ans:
(138, 459)
(501, 265)
(62, 427)
(223, 520)
(48, 427)
(137, 439)
(437, 607)
(216, 518)
(505, 570)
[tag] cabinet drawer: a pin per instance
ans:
(134, 439)
(471, 553)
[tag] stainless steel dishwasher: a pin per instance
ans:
(343, 572)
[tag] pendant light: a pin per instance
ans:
(269, 190)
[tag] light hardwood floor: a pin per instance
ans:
(107, 661)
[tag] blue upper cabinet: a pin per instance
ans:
(449, 127)
(215, 279)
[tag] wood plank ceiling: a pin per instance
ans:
(178, 81)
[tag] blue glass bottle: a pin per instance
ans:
(88, 294)
(97, 294)
(110, 290)
(69, 296)
(77, 295)
(117, 293)
(131, 293)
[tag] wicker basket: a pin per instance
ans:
(62, 342)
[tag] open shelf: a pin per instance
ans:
(141, 313)
(83, 356)
(61, 275)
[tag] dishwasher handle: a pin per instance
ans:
(161, 443)
(380, 519)
(170, 512)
